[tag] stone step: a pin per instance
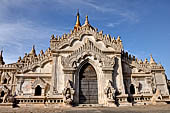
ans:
(90, 105)
(6, 105)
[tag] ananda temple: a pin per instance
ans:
(83, 67)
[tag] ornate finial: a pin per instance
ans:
(118, 39)
(41, 52)
(78, 20)
(152, 61)
(160, 65)
(86, 21)
(140, 61)
(1, 58)
(52, 36)
(33, 47)
(146, 61)
(19, 59)
(32, 52)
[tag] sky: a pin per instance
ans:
(143, 25)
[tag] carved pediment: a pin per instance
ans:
(88, 49)
(38, 81)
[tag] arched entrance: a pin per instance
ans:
(88, 89)
(38, 91)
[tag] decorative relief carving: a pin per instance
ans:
(68, 93)
(39, 81)
(5, 98)
(110, 91)
(5, 78)
(20, 82)
(5, 93)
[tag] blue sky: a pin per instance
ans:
(144, 25)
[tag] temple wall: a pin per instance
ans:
(161, 83)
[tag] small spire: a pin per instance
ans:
(140, 61)
(118, 39)
(86, 24)
(152, 61)
(1, 58)
(86, 21)
(78, 20)
(33, 52)
(52, 36)
(146, 61)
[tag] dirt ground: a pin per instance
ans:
(127, 109)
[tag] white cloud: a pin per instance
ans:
(114, 24)
(17, 38)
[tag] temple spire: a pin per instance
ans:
(152, 61)
(77, 21)
(1, 58)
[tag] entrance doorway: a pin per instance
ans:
(88, 92)
(38, 91)
(2, 94)
(132, 89)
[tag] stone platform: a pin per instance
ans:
(6, 105)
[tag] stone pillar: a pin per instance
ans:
(12, 83)
(53, 87)
(118, 74)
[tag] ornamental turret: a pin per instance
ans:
(1, 58)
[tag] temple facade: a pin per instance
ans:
(83, 67)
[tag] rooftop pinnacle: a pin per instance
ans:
(86, 21)
(152, 61)
(77, 21)
(32, 52)
(1, 58)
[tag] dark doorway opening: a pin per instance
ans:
(38, 91)
(132, 89)
(88, 89)
(2, 93)
(5, 81)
